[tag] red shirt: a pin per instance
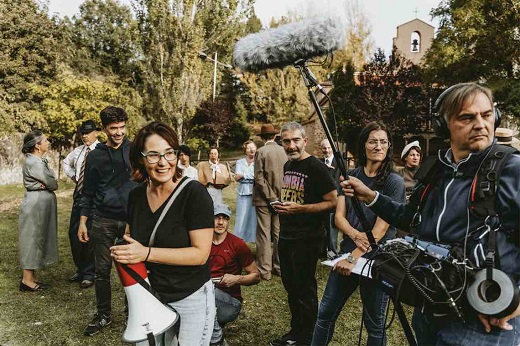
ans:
(230, 257)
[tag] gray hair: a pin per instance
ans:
(457, 95)
(293, 126)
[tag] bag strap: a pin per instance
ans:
(184, 181)
(485, 184)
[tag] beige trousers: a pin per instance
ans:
(267, 231)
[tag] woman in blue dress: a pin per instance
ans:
(245, 222)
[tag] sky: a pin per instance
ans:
(384, 15)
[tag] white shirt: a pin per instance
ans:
(328, 160)
(190, 172)
(72, 163)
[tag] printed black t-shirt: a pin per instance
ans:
(192, 210)
(305, 182)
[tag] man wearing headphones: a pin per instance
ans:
(441, 213)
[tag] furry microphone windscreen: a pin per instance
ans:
(286, 44)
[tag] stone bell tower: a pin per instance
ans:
(413, 39)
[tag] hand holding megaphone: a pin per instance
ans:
(130, 253)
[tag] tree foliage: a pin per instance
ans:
(106, 40)
(173, 33)
(70, 100)
(28, 55)
(476, 40)
(388, 90)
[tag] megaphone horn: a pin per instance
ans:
(146, 313)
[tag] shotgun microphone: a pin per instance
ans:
(288, 43)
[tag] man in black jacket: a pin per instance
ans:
(106, 186)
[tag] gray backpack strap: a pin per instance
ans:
(184, 181)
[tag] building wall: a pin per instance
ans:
(403, 39)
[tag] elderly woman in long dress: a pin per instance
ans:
(37, 225)
(245, 222)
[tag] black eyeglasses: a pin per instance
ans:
(154, 157)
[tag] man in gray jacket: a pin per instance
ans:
(269, 161)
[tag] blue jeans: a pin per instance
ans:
(339, 288)
(103, 235)
(228, 309)
(332, 234)
(197, 313)
(451, 331)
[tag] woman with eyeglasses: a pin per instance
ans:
(374, 168)
(178, 260)
(38, 219)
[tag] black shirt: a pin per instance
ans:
(191, 210)
(305, 182)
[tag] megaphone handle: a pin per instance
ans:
(151, 339)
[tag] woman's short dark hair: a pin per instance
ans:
(361, 160)
(216, 148)
(30, 140)
(139, 173)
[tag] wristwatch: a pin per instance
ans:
(350, 258)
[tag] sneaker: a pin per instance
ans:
(98, 322)
(86, 283)
(285, 340)
(75, 278)
(222, 342)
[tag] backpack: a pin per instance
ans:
(484, 187)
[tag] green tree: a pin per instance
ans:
(70, 100)
(106, 40)
(476, 40)
(173, 34)
(388, 90)
(28, 55)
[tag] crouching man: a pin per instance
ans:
(230, 257)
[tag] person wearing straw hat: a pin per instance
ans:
(269, 161)
(506, 137)
(411, 157)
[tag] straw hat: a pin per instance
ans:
(506, 137)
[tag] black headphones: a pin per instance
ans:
(440, 127)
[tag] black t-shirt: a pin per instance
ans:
(393, 188)
(305, 182)
(191, 210)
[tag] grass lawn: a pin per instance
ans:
(58, 316)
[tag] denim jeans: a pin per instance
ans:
(339, 288)
(332, 234)
(298, 260)
(228, 309)
(452, 331)
(82, 253)
(197, 313)
(103, 235)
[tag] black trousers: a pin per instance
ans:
(103, 235)
(298, 260)
(82, 253)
